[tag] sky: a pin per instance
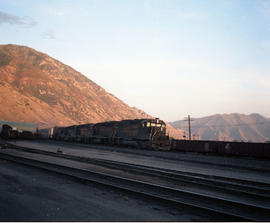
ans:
(170, 58)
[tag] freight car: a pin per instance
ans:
(142, 133)
(256, 150)
(23, 134)
(9, 132)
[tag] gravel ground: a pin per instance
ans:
(30, 194)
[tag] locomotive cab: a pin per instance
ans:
(155, 130)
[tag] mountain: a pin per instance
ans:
(229, 127)
(37, 88)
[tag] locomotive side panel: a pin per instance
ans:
(64, 133)
(85, 133)
(105, 131)
(128, 130)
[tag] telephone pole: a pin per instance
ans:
(189, 127)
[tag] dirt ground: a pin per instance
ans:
(30, 194)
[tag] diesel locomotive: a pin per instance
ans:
(141, 133)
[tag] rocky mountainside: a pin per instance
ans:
(37, 88)
(229, 127)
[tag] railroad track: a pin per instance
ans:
(258, 189)
(137, 151)
(214, 205)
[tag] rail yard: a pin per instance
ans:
(132, 184)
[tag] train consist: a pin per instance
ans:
(141, 133)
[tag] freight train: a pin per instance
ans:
(141, 133)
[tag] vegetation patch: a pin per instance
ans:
(4, 59)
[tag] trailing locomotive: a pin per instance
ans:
(142, 133)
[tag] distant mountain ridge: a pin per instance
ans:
(229, 127)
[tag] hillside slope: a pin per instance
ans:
(229, 127)
(37, 88)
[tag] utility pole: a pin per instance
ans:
(189, 127)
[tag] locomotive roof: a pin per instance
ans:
(128, 121)
(112, 123)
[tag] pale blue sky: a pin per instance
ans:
(168, 58)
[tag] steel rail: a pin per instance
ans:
(134, 151)
(256, 189)
(202, 202)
